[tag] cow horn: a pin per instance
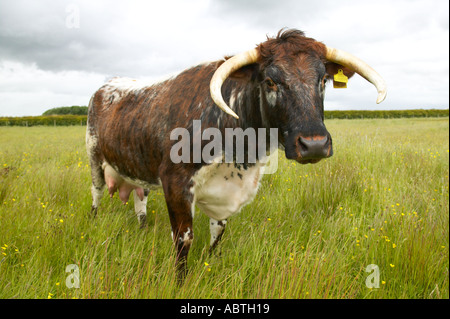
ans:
(223, 72)
(360, 67)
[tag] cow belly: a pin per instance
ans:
(221, 190)
(116, 182)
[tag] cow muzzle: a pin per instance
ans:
(311, 150)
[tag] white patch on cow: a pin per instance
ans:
(218, 120)
(187, 237)
(124, 85)
(240, 96)
(193, 209)
(215, 229)
(91, 140)
(129, 84)
(321, 89)
(97, 180)
(118, 87)
(271, 98)
(97, 195)
(232, 99)
(140, 206)
(221, 190)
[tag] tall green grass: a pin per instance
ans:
(310, 233)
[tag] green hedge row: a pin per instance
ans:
(65, 120)
(52, 120)
(385, 114)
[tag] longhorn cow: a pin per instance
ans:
(279, 84)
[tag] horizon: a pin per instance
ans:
(355, 110)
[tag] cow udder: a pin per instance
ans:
(115, 182)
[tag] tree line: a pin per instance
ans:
(66, 110)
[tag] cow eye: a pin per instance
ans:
(270, 84)
(324, 80)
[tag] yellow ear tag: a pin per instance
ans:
(340, 80)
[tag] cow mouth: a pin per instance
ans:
(309, 161)
(294, 154)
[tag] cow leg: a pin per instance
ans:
(140, 207)
(97, 174)
(179, 204)
(216, 229)
(98, 186)
(182, 234)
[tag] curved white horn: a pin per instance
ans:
(223, 72)
(360, 67)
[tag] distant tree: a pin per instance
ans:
(64, 110)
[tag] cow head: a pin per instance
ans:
(291, 71)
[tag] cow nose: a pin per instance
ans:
(314, 147)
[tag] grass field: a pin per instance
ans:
(382, 199)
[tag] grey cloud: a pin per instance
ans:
(40, 34)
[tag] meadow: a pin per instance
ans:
(311, 232)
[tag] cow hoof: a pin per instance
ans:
(142, 219)
(93, 212)
(182, 273)
(213, 251)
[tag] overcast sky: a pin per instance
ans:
(57, 53)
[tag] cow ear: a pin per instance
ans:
(246, 73)
(333, 68)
